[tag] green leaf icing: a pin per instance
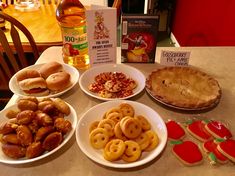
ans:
(176, 142)
(212, 157)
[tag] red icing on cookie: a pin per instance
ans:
(188, 152)
(227, 148)
(211, 146)
(218, 130)
(197, 129)
(175, 131)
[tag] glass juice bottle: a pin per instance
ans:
(70, 15)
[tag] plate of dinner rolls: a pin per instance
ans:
(46, 80)
(33, 129)
(121, 134)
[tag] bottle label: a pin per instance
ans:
(74, 41)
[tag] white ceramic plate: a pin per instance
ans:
(4, 159)
(88, 76)
(74, 75)
(96, 113)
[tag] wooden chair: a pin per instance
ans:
(7, 2)
(56, 2)
(13, 58)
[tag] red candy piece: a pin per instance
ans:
(188, 153)
(218, 130)
(174, 130)
(197, 129)
(211, 146)
(227, 148)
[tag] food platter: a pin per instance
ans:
(97, 112)
(72, 117)
(74, 76)
(87, 78)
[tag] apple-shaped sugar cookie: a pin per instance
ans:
(174, 130)
(218, 129)
(188, 153)
(197, 130)
(227, 148)
(214, 154)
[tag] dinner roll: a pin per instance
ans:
(58, 81)
(34, 86)
(50, 68)
(27, 73)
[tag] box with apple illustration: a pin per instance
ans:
(139, 38)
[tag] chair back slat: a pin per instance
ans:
(5, 67)
(8, 51)
(7, 2)
(3, 79)
(18, 46)
(50, 2)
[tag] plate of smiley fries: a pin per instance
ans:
(121, 134)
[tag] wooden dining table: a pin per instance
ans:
(218, 62)
(41, 23)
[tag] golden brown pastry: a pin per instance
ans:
(24, 135)
(13, 151)
(10, 138)
(43, 119)
(6, 128)
(23, 104)
(25, 117)
(62, 125)
(33, 150)
(183, 87)
(61, 106)
(42, 104)
(43, 132)
(52, 141)
(11, 114)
